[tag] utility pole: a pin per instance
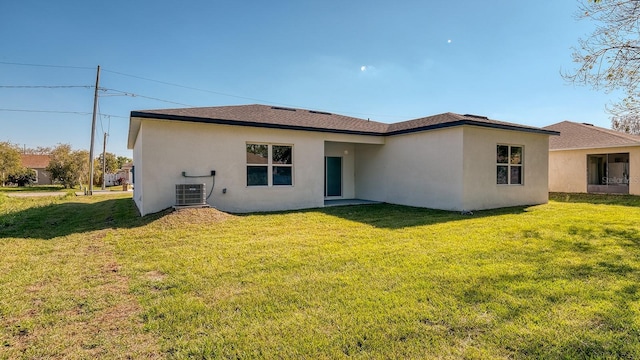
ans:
(104, 161)
(93, 132)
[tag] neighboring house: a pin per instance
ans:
(272, 158)
(121, 177)
(125, 173)
(591, 159)
(38, 163)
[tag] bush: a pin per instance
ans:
(22, 177)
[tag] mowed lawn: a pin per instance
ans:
(84, 277)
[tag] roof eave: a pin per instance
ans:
(134, 128)
(596, 147)
(143, 115)
(473, 123)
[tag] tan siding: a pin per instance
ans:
(568, 168)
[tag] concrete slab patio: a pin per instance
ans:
(346, 202)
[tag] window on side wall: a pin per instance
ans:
(510, 160)
(269, 164)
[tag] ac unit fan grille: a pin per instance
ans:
(190, 194)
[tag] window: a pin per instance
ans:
(257, 164)
(608, 173)
(269, 165)
(509, 161)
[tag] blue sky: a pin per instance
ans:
(387, 61)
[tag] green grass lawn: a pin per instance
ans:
(34, 188)
(84, 277)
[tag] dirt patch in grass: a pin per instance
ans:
(197, 216)
(83, 308)
(155, 275)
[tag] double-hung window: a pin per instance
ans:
(269, 164)
(510, 159)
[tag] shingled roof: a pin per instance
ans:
(301, 119)
(453, 119)
(269, 116)
(575, 135)
(35, 161)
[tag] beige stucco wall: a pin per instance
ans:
(568, 171)
(418, 169)
(138, 173)
(568, 168)
(480, 188)
(171, 147)
(347, 152)
(451, 169)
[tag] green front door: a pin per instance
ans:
(332, 176)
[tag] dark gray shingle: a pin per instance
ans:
(301, 119)
(575, 135)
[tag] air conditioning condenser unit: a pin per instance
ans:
(190, 195)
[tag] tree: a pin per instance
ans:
(10, 161)
(609, 58)
(40, 150)
(69, 167)
(122, 160)
(22, 177)
(111, 166)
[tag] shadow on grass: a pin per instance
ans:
(604, 199)
(54, 220)
(630, 236)
(35, 188)
(390, 216)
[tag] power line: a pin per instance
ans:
(130, 94)
(48, 111)
(100, 115)
(44, 86)
(146, 79)
(198, 89)
(243, 97)
(195, 89)
(59, 112)
(47, 65)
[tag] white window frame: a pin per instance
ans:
(270, 164)
(509, 165)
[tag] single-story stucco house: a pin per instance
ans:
(591, 159)
(38, 163)
(266, 158)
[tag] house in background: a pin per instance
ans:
(265, 158)
(591, 159)
(38, 163)
(121, 177)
